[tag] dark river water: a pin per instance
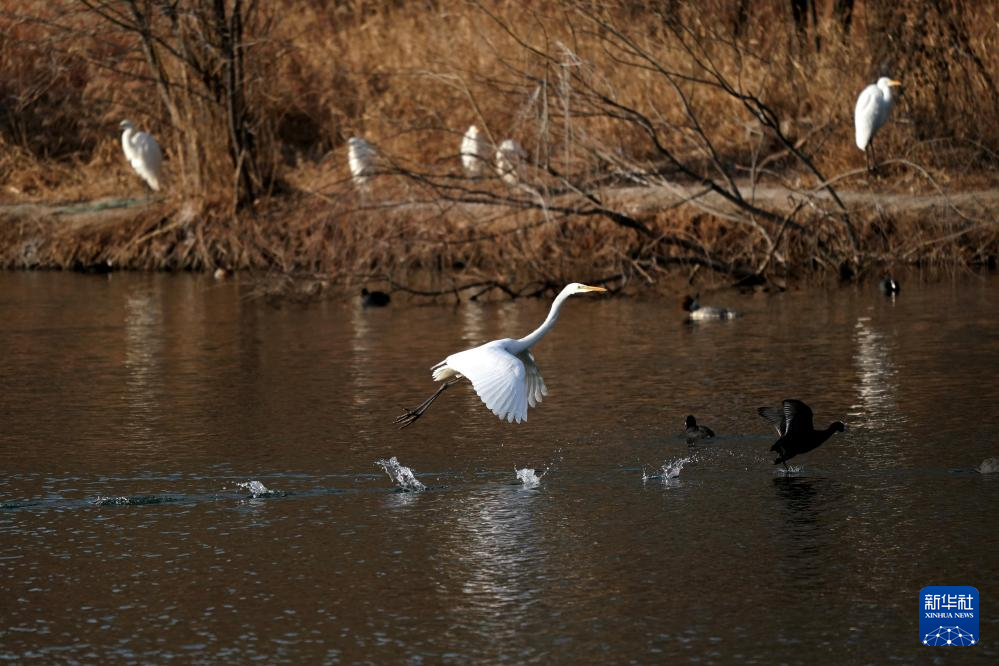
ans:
(191, 475)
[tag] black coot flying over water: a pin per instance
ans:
(796, 433)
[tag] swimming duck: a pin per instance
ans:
(889, 286)
(698, 312)
(796, 433)
(374, 299)
(694, 432)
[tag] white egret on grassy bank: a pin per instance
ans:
(873, 106)
(143, 153)
(360, 159)
(502, 372)
(509, 157)
(474, 152)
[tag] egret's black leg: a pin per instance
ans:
(411, 415)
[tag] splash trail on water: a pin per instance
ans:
(669, 471)
(528, 477)
(136, 500)
(257, 489)
(989, 466)
(401, 476)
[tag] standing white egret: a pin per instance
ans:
(474, 152)
(502, 372)
(143, 153)
(509, 157)
(360, 159)
(873, 106)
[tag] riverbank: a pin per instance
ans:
(512, 243)
(693, 142)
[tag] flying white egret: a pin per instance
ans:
(502, 372)
(474, 152)
(143, 153)
(873, 106)
(509, 157)
(360, 159)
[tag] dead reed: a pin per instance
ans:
(616, 104)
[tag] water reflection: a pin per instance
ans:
(360, 355)
(801, 539)
(143, 352)
(473, 331)
(877, 388)
(591, 565)
(496, 559)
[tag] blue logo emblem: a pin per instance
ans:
(948, 615)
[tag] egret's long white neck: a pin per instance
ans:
(886, 93)
(535, 336)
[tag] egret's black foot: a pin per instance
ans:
(409, 418)
(411, 415)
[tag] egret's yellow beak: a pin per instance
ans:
(587, 287)
(893, 82)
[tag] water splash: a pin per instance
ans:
(669, 471)
(401, 476)
(257, 489)
(528, 477)
(989, 466)
(137, 500)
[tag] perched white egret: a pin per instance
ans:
(474, 152)
(873, 106)
(502, 372)
(143, 153)
(509, 157)
(361, 159)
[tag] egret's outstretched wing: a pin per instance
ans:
(499, 377)
(536, 388)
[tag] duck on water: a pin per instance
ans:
(889, 286)
(697, 312)
(374, 299)
(693, 433)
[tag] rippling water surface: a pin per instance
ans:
(190, 474)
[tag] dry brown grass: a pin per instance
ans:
(411, 76)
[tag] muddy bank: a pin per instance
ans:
(513, 242)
